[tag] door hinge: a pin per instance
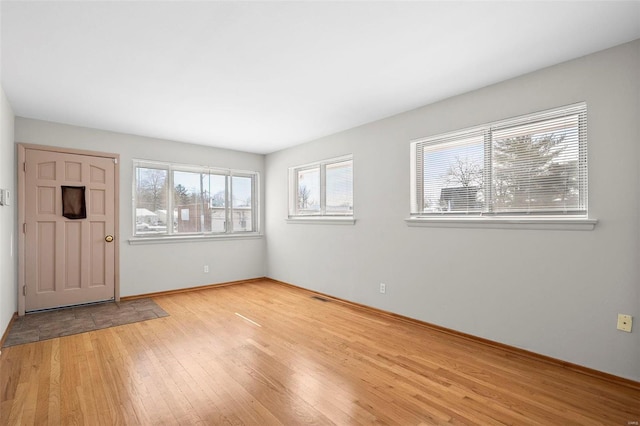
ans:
(24, 228)
(24, 166)
(115, 161)
(24, 290)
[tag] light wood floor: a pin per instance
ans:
(264, 353)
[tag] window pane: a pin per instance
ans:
(183, 199)
(339, 187)
(308, 191)
(453, 176)
(191, 193)
(151, 201)
(536, 167)
(218, 202)
(242, 192)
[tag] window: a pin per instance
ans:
(172, 199)
(535, 165)
(322, 189)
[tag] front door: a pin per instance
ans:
(68, 261)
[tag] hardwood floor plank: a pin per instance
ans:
(261, 353)
(44, 384)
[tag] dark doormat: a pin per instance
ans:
(80, 319)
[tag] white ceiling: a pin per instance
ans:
(262, 76)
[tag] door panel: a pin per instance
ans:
(68, 261)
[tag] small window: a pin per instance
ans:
(322, 189)
(172, 200)
(534, 165)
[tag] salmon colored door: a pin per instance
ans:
(68, 261)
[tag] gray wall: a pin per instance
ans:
(8, 258)
(553, 292)
(158, 267)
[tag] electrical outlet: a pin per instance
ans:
(624, 322)
(206, 269)
(383, 288)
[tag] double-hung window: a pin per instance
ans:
(182, 200)
(322, 189)
(530, 166)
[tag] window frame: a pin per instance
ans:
(485, 217)
(170, 235)
(321, 215)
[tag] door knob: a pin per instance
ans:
(108, 238)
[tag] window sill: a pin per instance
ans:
(323, 220)
(551, 223)
(168, 239)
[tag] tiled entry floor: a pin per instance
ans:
(64, 322)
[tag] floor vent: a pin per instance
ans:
(322, 299)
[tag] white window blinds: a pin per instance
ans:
(339, 188)
(324, 188)
(533, 165)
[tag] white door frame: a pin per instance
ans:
(22, 148)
